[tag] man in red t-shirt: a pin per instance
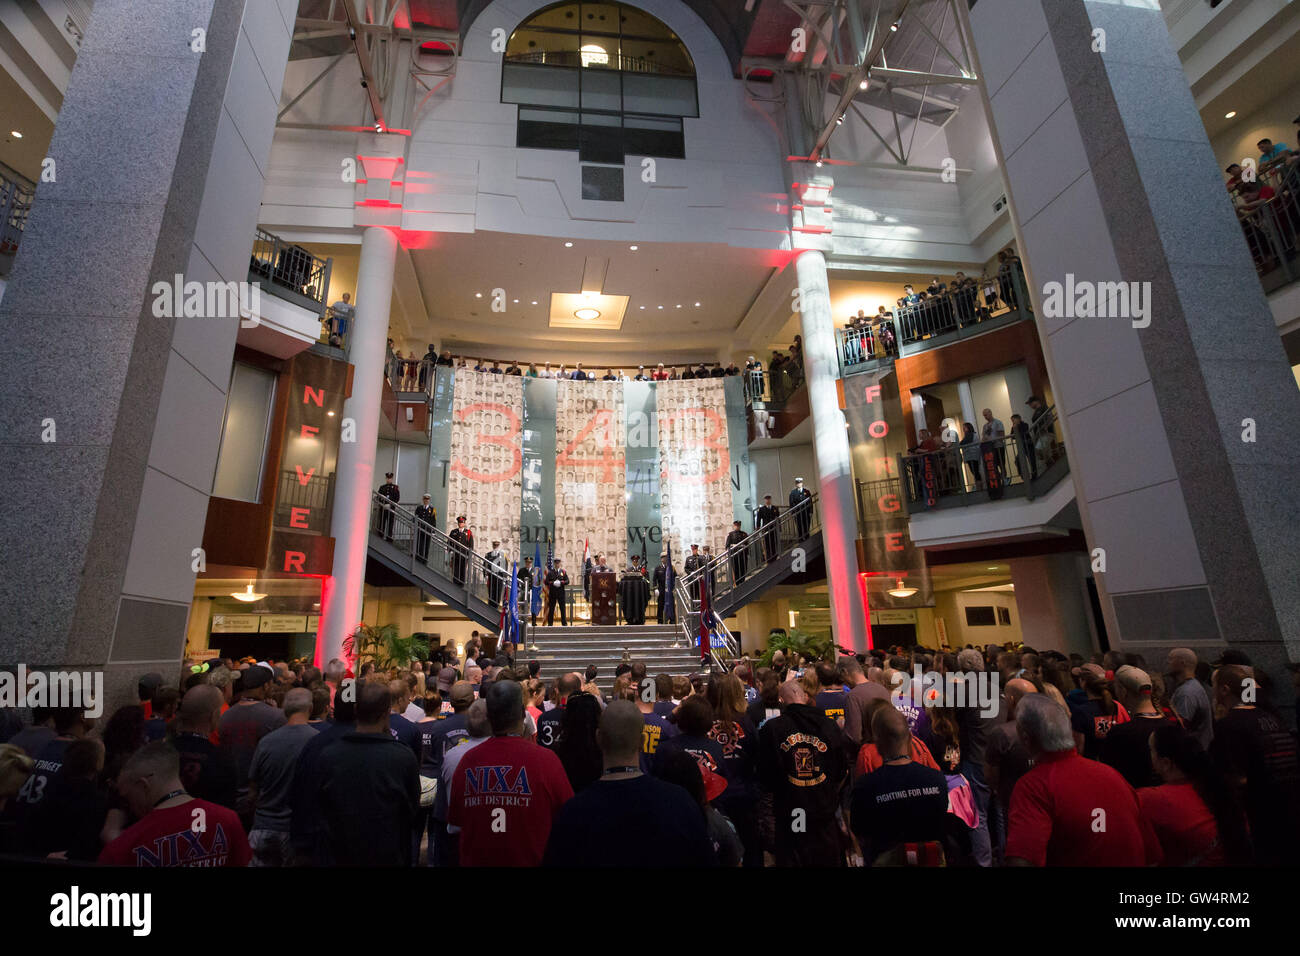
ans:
(175, 829)
(1068, 810)
(507, 791)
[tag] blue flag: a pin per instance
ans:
(512, 624)
(536, 582)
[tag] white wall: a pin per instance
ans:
(775, 469)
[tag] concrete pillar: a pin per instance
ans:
(159, 151)
(1052, 599)
(341, 608)
(1111, 179)
(831, 447)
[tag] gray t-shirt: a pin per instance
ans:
(272, 770)
(1192, 703)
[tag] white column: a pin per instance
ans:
(355, 480)
(831, 444)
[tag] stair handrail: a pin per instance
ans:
(784, 520)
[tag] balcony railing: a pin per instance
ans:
(772, 388)
(935, 321)
(16, 197)
(1013, 466)
(290, 272)
(601, 61)
(1272, 228)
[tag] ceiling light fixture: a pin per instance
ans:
(893, 27)
(587, 314)
(839, 120)
(863, 84)
(534, 301)
(819, 164)
(15, 134)
(248, 596)
(1230, 114)
(478, 295)
(900, 590)
(697, 305)
(568, 245)
(633, 248)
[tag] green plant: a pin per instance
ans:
(796, 642)
(384, 646)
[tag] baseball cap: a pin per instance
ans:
(446, 677)
(254, 677)
(462, 692)
(1133, 679)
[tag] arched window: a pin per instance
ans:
(605, 79)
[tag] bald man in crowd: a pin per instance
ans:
(628, 817)
(1188, 695)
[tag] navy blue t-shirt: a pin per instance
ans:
(405, 732)
(657, 729)
(549, 728)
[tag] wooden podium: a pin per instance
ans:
(604, 598)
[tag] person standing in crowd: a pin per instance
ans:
(902, 802)
(517, 789)
(68, 820)
(369, 792)
(861, 692)
(1127, 746)
(207, 771)
(657, 726)
(498, 574)
(1193, 811)
(1190, 700)
(577, 748)
(831, 696)
(626, 810)
(1026, 460)
(801, 505)
(1005, 761)
(242, 726)
(462, 547)
(557, 581)
(426, 519)
(1095, 715)
(550, 729)
(739, 555)
(803, 761)
(270, 781)
(165, 834)
(1256, 754)
(667, 611)
(765, 519)
(393, 494)
(446, 849)
(1054, 807)
(733, 731)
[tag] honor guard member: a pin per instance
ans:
(526, 586)
(557, 579)
(739, 555)
(766, 519)
(391, 492)
(463, 539)
(426, 518)
(694, 561)
(497, 573)
(667, 610)
(801, 498)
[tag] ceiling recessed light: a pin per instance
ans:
(633, 248)
(862, 85)
(994, 568)
(478, 295)
(15, 134)
(516, 301)
(661, 306)
(643, 308)
(587, 314)
(1230, 114)
(330, 414)
(534, 302)
(679, 305)
(697, 305)
(568, 245)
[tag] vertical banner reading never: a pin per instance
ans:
(537, 507)
(742, 488)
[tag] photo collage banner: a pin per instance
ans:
(621, 465)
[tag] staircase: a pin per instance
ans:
(564, 649)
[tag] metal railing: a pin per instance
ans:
(983, 468)
(867, 345)
(408, 374)
(423, 544)
(315, 496)
(746, 558)
(1272, 228)
(16, 198)
(290, 271)
(772, 388)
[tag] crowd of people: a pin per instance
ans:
(1266, 197)
(471, 760)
